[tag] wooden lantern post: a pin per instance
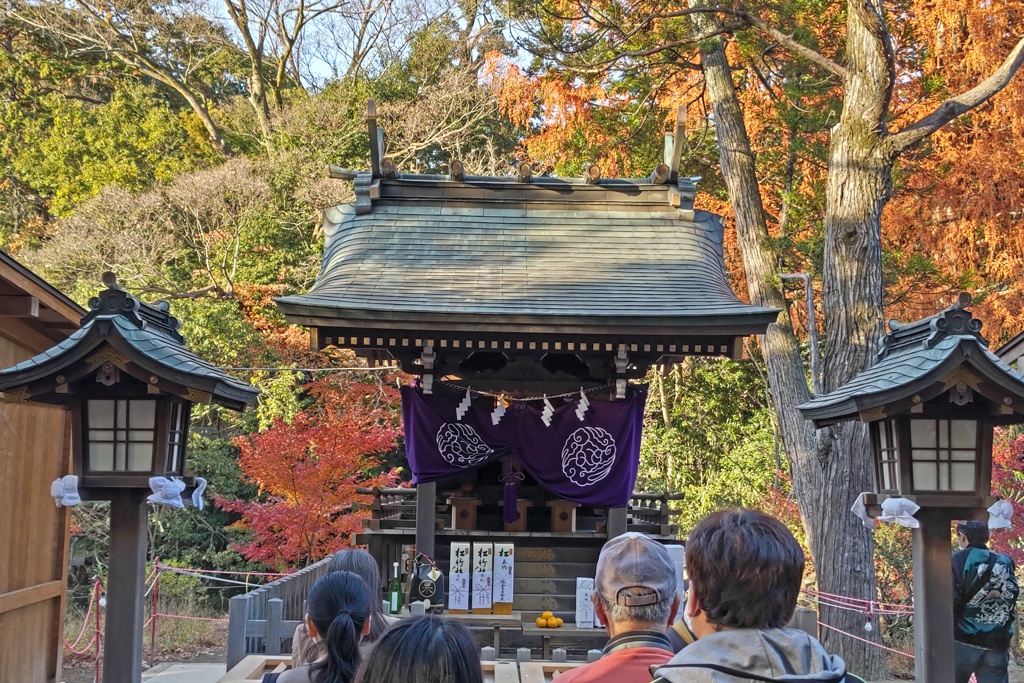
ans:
(129, 382)
(932, 400)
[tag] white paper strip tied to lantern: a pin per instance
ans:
(894, 510)
(861, 511)
(65, 491)
(1000, 515)
(900, 511)
(197, 494)
(166, 491)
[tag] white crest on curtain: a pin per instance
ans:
(588, 455)
(460, 445)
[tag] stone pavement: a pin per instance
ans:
(185, 673)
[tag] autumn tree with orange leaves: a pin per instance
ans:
(308, 469)
(858, 80)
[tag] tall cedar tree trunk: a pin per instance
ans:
(831, 466)
(859, 185)
(826, 473)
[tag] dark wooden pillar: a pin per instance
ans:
(933, 597)
(122, 652)
(426, 506)
(616, 522)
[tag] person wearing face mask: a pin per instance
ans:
(984, 604)
(636, 600)
(745, 571)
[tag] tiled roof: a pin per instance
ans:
(544, 250)
(913, 358)
(148, 336)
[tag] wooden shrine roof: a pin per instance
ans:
(32, 311)
(543, 255)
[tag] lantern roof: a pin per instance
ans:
(138, 338)
(919, 361)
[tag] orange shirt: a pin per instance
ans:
(624, 666)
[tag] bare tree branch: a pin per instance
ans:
(956, 106)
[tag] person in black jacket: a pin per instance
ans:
(984, 602)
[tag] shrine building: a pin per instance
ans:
(530, 308)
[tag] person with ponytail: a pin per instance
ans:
(360, 562)
(337, 617)
(424, 649)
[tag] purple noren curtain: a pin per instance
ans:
(593, 461)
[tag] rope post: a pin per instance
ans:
(154, 612)
(97, 592)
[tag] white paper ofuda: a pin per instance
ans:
(584, 602)
(504, 572)
(459, 573)
(483, 573)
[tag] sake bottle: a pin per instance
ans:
(395, 593)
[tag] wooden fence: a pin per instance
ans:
(262, 619)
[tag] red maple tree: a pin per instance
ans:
(1008, 483)
(308, 470)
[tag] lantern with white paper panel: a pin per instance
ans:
(931, 399)
(129, 382)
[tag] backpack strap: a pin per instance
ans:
(747, 676)
(684, 633)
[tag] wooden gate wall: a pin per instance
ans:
(34, 450)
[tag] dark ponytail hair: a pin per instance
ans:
(339, 606)
(362, 563)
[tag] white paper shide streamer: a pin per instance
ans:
(547, 413)
(65, 491)
(166, 491)
(463, 406)
(499, 410)
(581, 408)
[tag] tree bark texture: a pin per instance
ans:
(827, 472)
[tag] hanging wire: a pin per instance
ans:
(386, 368)
(505, 397)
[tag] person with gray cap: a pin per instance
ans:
(635, 599)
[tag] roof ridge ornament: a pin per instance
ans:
(953, 320)
(116, 301)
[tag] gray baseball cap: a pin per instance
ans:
(633, 560)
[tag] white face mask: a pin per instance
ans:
(687, 619)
